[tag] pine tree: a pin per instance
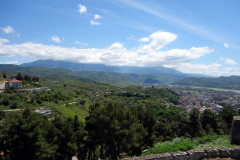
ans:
(66, 139)
(19, 76)
(195, 124)
(208, 117)
(23, 137)
(26, 77)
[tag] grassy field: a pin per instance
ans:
(71, 111)
(181, 144)
(222, 141)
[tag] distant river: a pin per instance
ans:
(217, 89)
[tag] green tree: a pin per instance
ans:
(210, 119)
(80, 133)
(226, 115)
(19, 76)
(23, 137)
(115, 130)
(4, 75)
(6, 101)
(14, 105)
(195, 124)
(148, 119)
(66, 139)
(26, 77)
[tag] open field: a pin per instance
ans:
(71, 111)
(181, 144)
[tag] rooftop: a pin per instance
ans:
(14, 80)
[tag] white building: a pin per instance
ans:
(42, 111)
(15, 83)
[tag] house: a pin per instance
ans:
(42, 111)
(14, 76)
(15, 83)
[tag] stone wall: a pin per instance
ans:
(235, 130)
(193, 154)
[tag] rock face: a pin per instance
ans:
(235, 130)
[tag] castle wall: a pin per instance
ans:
(193, 154)
(235, 130)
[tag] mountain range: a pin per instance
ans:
(60, 74)
(118, 69)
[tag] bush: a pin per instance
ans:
(6, 101)
(14, 105)
(178, 144)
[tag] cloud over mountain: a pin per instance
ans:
(115, 54)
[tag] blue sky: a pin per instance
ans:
(198, 36)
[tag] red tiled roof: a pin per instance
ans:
(14, 75)
(14, 80)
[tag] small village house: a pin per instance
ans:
(15, 83)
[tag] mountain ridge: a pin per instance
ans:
(119, 69)
(91, 76)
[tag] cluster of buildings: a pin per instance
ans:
(202, 101)
(13, 82)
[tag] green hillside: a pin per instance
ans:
(90, 76)
(126, 78)
(232, 82)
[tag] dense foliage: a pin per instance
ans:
(118, 120)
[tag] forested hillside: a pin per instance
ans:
(96, 120)
(90, 76)
(158, 70)
(232, 82)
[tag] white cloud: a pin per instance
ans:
(211, 69)
(96, 16)
(159, 39)
(132, 37)
(226, 45)
(94, 23)
(12, 62)
(82, 9)
(116, 54)
(82, 43)
(7, 30)
(2, 41)
(146, 39)
(18, 35)
(116, 46)
(229, 61)
(56, 39)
